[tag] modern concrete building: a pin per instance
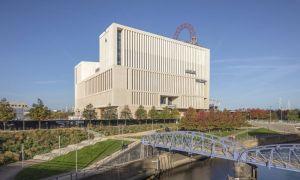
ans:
(20, 108)
(141, 68)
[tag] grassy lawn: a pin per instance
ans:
(65, 163)
(257, 133)
(223, 133)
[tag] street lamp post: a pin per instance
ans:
(90, 121)
(90, 117)
(152, 125)
(270, 117)
(23, 118)
(280, 107)
(22, 151)
(59, 145)
(122, 135)
(76, 159)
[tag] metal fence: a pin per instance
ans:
(52, 124)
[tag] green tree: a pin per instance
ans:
(39, 112)
(141, 113)
(60, 115)
(89, 112)
(175, 114)
(126, 113)
(165, 113)
(6, 112)
(153, 113)
(109, 112)
(293, 115)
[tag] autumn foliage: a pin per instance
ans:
(212, 120)
(258, 114)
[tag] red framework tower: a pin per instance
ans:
(190, 28)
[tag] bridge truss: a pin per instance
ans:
(284, 156)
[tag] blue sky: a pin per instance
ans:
(255, 52)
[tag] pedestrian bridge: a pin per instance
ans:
(282, 156)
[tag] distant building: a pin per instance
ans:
(20, 108)
(214, 104)
(76, 115)
(140, 68)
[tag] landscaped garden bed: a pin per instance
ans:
(36, 142)
(114, 130)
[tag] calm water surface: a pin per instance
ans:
(218, 169)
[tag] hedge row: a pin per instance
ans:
(113, 130)
(36, 142)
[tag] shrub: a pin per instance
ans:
(113, 130)
(212, 120)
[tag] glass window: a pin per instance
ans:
(119, 47)
(163, 99)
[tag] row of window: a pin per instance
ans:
(18, 105)
(144, 98)
(151, 99)
(99, 83)
(158, 54)
(158, 82)
(192, 101)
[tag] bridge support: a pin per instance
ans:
(245, 171)
(142, 153)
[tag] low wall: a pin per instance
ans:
(278, 139)
(142, 168)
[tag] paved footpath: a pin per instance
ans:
(8, 172)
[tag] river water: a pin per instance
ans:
(219, 169)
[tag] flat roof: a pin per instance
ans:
(155, 35)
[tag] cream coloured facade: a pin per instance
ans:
(141, 68)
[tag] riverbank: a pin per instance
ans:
(220, 169)
(147, 168)
(262, 136)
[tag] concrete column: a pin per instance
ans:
(142, 152)
(128, 157)
(245, 171)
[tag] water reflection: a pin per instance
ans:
(218, 169)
